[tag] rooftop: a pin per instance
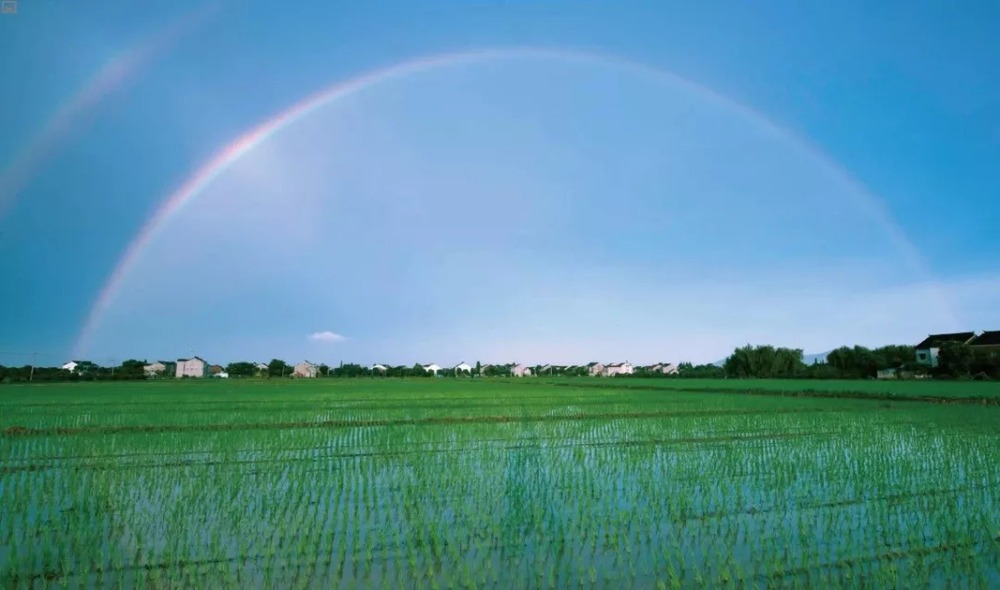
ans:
(936, 340)
(988, 338)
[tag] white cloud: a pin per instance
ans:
(326, 336)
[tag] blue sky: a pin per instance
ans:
(828, 175)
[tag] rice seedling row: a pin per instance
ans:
(656, 489)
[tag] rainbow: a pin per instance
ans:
(221, 160)
(115, 73)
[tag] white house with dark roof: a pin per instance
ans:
(463, 367)
(662, 368)
(595, 369)
(519, 370)
(928, 349)
(379, 368)
(432, 368)
(618, 369)
(987, 342)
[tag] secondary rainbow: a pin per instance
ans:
(219, 162)
(113, 75)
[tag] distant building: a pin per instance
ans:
(988, 341)
(214, 370)
(463, 367)
(615, 369)
(192, 367)
(887, 374)
(927, 350)
(519, 370)
(662, 368)
(305, 370)
(431, 368)
(155, 368)
(71, 366)
(261, 369)
(379, 368)
(595, 369)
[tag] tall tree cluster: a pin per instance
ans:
(764, 362)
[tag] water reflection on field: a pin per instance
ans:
(495, 485)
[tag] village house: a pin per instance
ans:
(71, 366)
(432, 368)
(927, 351)
(595, 369)
(987, 342)
(662, 368)
(155, 368)
(192, 367)
(463, 367)
(551, 370)
(887, 373)
(306, 370)
(519, 370)
(379, 368)
(261, 369)
(615, 369)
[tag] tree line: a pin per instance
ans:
(955, 361)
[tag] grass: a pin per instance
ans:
(454, 484)
(924, 390)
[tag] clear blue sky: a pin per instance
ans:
(518, 208)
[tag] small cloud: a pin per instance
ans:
(326, 336)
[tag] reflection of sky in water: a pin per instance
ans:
(804, 493)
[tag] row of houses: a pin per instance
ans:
(197, 367)
(929, 348)
(594, 369)
(927, 354)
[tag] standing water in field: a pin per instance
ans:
(499, 485)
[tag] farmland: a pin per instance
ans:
(977, 391)
(492, 484)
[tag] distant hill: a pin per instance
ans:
(808, 359)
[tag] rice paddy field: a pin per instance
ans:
(441, 483)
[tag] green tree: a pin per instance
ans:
(690, 371)
(763, 362)
(894, 356)
(956, 359)
(278, 368)
(241, 369)
(132, 369)
(350, 370)
(987, 364)
(858, 362)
